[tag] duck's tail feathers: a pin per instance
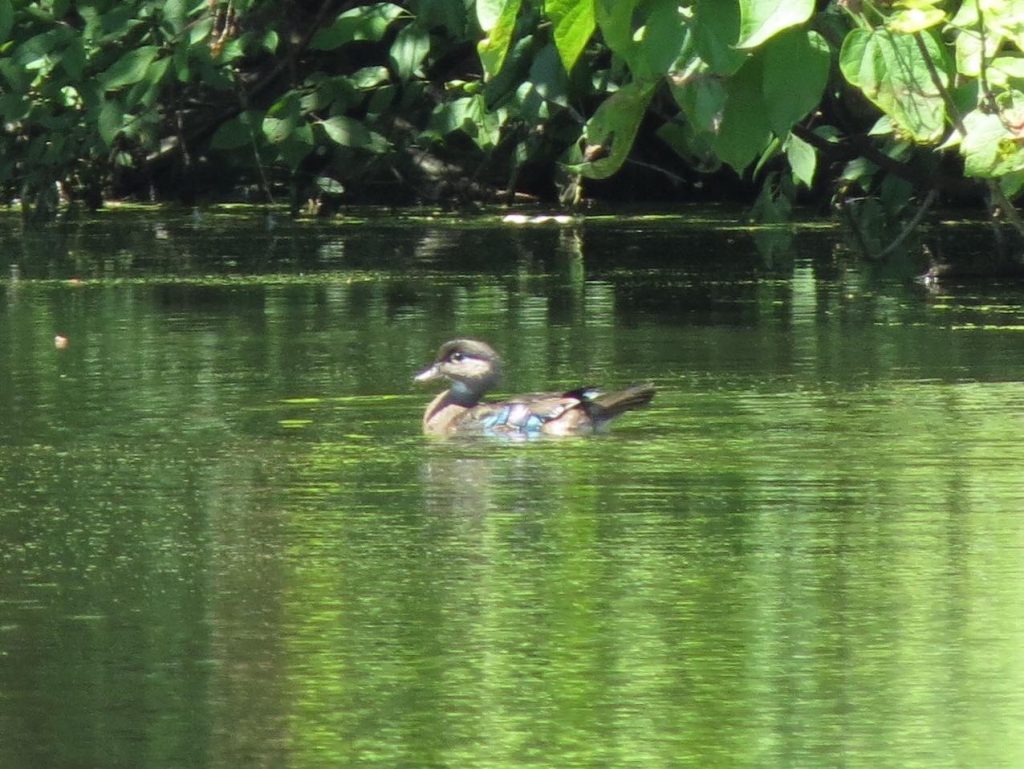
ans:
(604, 406)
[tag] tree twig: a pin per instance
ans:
(911, 225)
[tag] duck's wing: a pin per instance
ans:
(582, 410)
(527, 414)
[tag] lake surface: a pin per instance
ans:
(224, 543)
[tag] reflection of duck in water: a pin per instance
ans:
(473, 368)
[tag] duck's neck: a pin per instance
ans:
(447, 407)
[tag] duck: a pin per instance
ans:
(473, 368)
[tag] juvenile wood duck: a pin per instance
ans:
(473, 368)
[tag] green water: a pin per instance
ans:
(224, 543)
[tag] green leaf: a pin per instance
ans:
(574, 22)
(6, 20)
(701, 96)
(346, 131)
(282, 119)
(129, 69)
(1004, 69)
(470, 115)
(201, 30)
(493, 48)
(762, 19)
(693, 148)
(147, 90)
(615, 20)
(488, 12)
(892, 72)
(14, 106)
(666, 34)
(111, 121)
(1003, 18)
(969, 55)
(39, 51)
(73, 58)
(911, 20)
(366, 22)
(411, 46)
(613, 127)
(715, 33)
(796, 67)
(990, 148)
(175, 15)
(236, 132)
(744, 131)
(297, 146)
(269, 41)
(547, 84)
(382, 99)
(803, 159)
(369, 77)
(277, 130)
(329, 186)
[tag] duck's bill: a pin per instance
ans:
(427, 374)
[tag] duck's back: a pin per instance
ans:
(580, 411)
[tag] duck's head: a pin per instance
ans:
(473, 367)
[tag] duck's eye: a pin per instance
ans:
(456, 357)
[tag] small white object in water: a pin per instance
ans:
(538, 219)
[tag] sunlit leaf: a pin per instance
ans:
(969, 54)
(1003, 70)
(365, 22)
(803, 159)
(468, 114)
(346, 131)
(411, 46)
(990, 148)
(488, 12)
(198, 32)
(910, 20)
(369, 77)
(130, 68)
(893, 72)
(493, 48)
(281, 119)
(574, 22)
(665, 37)
(761, 19)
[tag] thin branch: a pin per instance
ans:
(982, 64)
(911, 225)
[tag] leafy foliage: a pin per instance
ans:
(445, 98)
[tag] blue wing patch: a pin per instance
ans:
(514, 417)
